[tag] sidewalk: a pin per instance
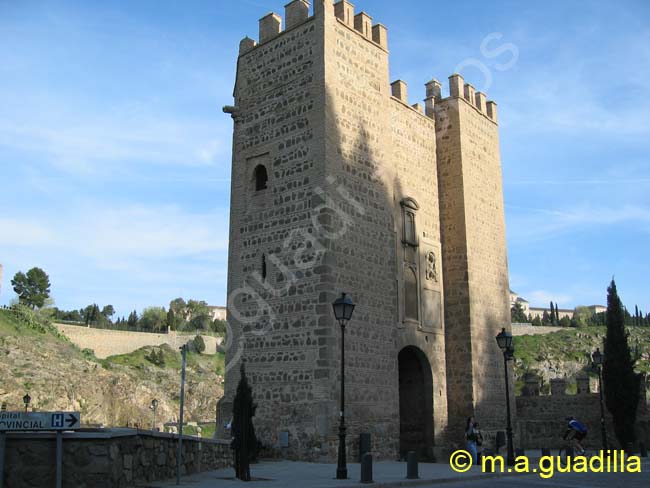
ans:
(313, 475)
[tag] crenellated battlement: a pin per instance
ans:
(297, 12)
(457, 89)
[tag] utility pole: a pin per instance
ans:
(179, 454)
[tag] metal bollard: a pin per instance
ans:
(643, 450)
(569, 452)
(412, 466)
(364, 444)
(366, 468)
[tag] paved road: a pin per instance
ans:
(281, 474)
(582, 480)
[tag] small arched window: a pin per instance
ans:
(409, 209)
(261, 177)
(411, 294)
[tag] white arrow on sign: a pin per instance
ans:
(23, 421)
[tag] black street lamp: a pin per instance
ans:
(343, 308)
(154, 407)
(598, 358)
(504, 340)
(26, 400)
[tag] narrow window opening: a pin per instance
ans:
(261, 178)
(263, 267)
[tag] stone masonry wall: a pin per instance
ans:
(275, 317)
(541, 419)
(474, 258)
(107, 460)
(106, 342)
(357, 129)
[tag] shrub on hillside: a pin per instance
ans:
(198, 344)
(156, 357)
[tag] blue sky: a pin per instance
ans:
(115, 156)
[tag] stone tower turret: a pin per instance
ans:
(337, 187)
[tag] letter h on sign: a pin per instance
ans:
(57, 420)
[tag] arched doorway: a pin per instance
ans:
(415, 403)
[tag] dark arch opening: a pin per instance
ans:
(415, 403)
(261, 177)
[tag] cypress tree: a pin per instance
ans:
(243, 432)
(552, 314)
(557, 313)
(621, 383)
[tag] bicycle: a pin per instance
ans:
(572, 446)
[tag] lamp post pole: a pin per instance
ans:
(343, 308)
(179, 454)
(511, 449)
(504, 340)
(154, 407)
(597, 358)
(26, 400)
(342, 469)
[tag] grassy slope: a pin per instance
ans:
(112, 391)
(568, 352)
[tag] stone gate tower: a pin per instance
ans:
(340, 184)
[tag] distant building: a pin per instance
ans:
(594, 309)
(534, 312)
(217, 313)
(514, 299)
(539, 312)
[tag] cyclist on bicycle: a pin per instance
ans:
(576, 431)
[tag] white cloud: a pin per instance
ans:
(543, 298)
(124, 236)
(527, 224)
(15, 232)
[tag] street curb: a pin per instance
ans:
(433, 481)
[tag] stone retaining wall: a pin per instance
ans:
(105, 342)
(107, 459)
(541, 418)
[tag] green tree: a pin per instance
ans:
(565, 322)
(201, 322)
(517, 314)
(171, 319)
(153, 318)
(557, 313)
(621, 383)
(219, 326)
(196, 307)
(133, 320)
(244, 439)
(536, 321)
(198, 344)
(179, 308)
(552, 315)
(33, 288)
(107, 312)
(581, 316)
(546, 318)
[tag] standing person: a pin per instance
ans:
(471, 437)
(479, 442)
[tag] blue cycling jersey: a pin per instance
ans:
(578, 427)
